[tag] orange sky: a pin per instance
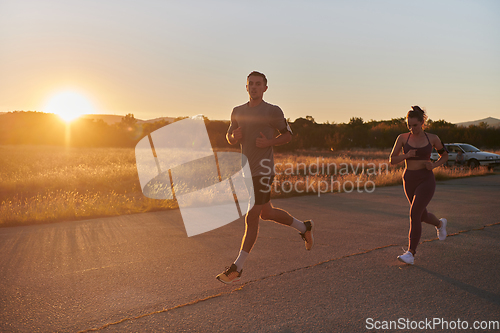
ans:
(332, 60)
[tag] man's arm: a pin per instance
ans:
(281, 139)
(234, 134)
(234, 137)
(279, 122)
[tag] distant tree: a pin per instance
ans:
(311, 119)
(179, 118)
(128, 121)
(483, 125)
(439, 124)
(216, 130)
(148, 128)
(355, 121)
(398, 121)
(357, 131)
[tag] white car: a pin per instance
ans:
(473, 157)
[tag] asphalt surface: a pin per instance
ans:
(141, 273)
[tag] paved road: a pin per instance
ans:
(141, 273)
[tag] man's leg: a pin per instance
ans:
(271, 213)
(252, 219)
(251, 228)
(233, 273)
(263, 208)
(305, 229)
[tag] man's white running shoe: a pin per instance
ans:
(407, 258)
(441, 232)
(307, 236)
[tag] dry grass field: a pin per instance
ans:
(41, 184)
(45, 184)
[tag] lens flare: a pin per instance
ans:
(69, 105)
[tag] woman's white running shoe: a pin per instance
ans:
(441, 232)
(407, 258)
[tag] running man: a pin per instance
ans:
(253, 125)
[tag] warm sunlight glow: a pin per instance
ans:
(69, 105)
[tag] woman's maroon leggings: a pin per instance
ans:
(419, 188)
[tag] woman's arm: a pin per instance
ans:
(395, 156)
(443, 154)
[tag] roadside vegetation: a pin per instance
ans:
(43, 184)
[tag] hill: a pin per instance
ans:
(492, 122)
(111, 119)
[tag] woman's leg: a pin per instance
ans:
(410, 183)
(421, 197)
(430, 187)
(431, 219)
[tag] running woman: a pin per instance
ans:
(253, 125)
(418, 179)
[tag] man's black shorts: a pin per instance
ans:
(262, 189)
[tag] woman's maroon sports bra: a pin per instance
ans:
(422, 153)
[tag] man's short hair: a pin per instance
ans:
(255, 73)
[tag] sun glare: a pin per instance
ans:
(69, 105)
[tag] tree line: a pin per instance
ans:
(382, 134)
(37, 128)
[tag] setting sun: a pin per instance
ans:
(69, 105)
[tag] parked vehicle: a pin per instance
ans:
(473, 157)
